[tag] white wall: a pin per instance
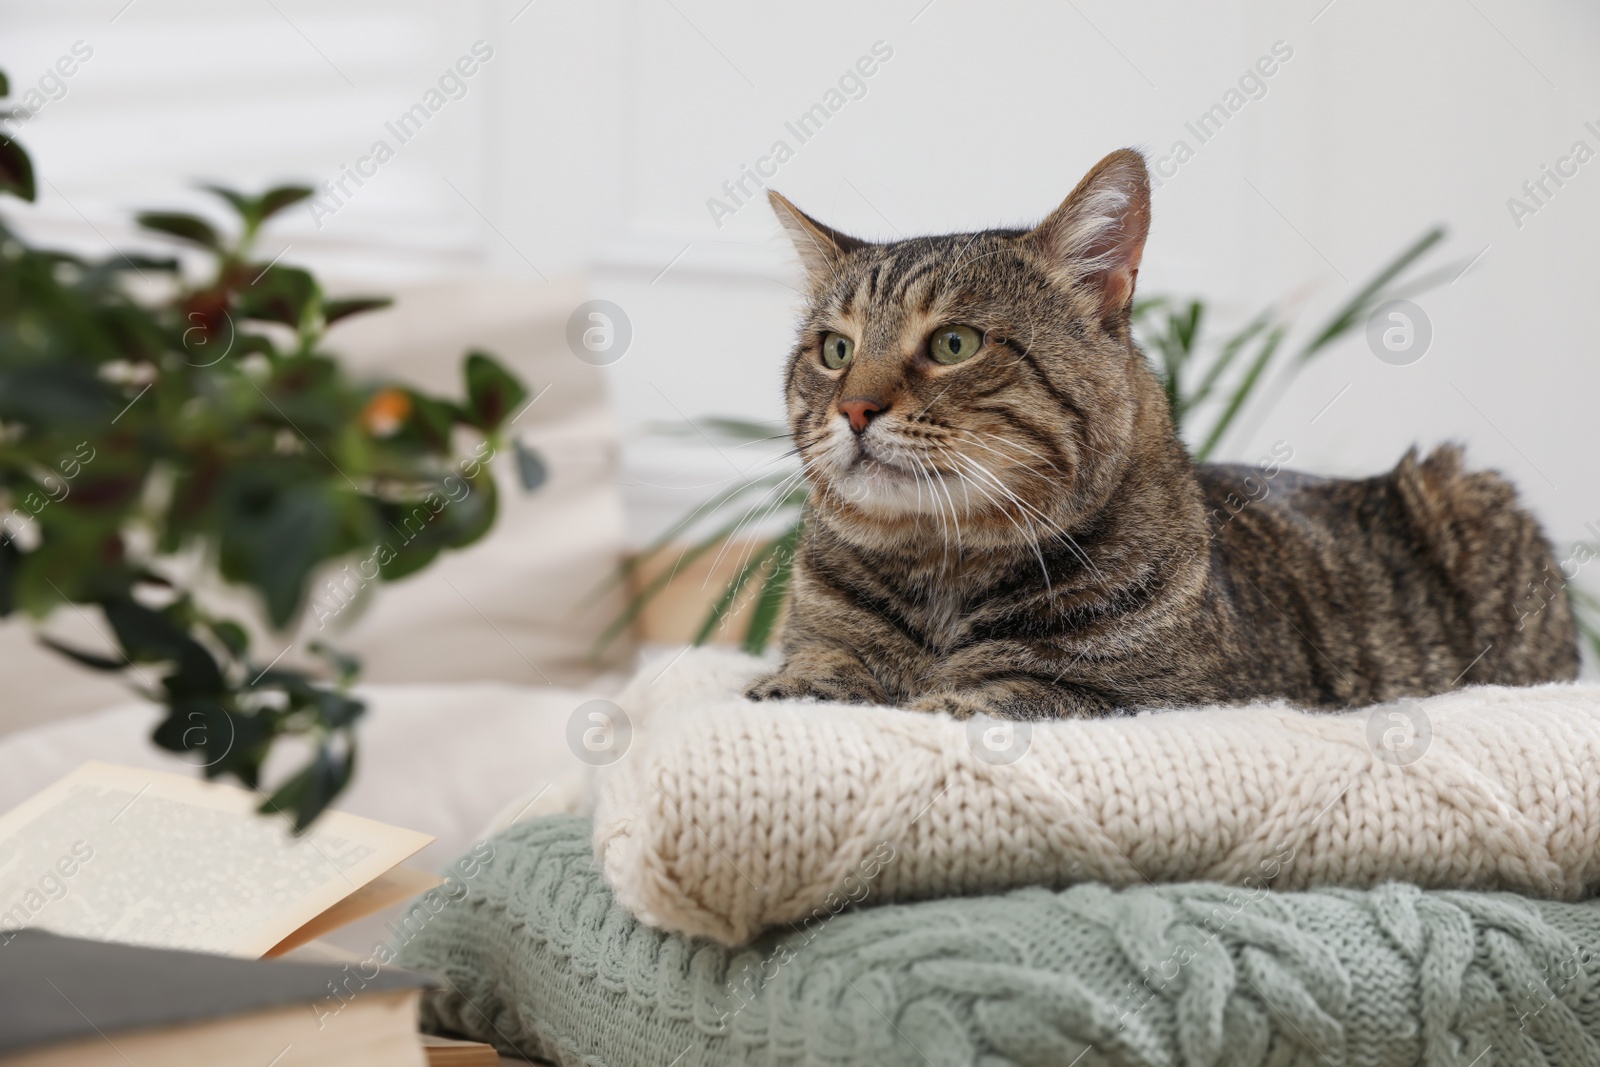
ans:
(593, 139)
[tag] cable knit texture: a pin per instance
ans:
(540, 960)
(728, 817)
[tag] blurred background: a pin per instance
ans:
(539, 154)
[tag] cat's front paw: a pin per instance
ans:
(952, 702)
(787, 685)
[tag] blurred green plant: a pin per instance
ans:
(1210, 385)
(1227, 375)
(141, 435)
(1586, 609)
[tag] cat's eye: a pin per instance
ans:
(954, 344)
(837, 349)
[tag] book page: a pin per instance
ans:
(139, 856)
(390, 887)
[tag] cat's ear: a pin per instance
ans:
(820, 246)
(1096, 237)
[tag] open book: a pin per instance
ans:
(119, 854)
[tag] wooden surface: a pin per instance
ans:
(675, 615)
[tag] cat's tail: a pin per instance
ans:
(1510, 591)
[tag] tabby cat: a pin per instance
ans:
(1003, 520)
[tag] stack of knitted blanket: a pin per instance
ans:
(823, 884)
(727, 817)
(539, 959)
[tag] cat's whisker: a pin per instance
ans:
(763, 507)
(965, 477)
(1030, 534)
(1009, 492)
(1049, 524)
(938, 505)
(922, 478)
(750, 546)
(898, 455)
(978, 436)
(1013, 444)
(955, 517)
(758, 512)
(770, 461)
(936, 483)
(778, 491)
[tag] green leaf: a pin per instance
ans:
(1348, 318)
(338, 710)
(295, 685)
(232, 636)
(432, 420)
(278, 294)
(774, 591)
(1230, 351)
(493, 392)
(1355, 310)
(191, 228)
(279, 197)
(254, 210)
(409, 557)
(531, 469)
(173, 733)
(640, 600)
(146, 635)
(92, 660)
(1241, 393)
(150, 636)
(108, 268)
(5, 84)
(744, 429)
(245, 344)
(421, 532)
(1176, 343)
(309, 792)
(274, 527)
(345, 665)
(54, 571)
(16, 171)
(709, 507)
(10, 560)
(730, 593)
(245, 206)
(224, 741)
(334, 310)
(56, 394)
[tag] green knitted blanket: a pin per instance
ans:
(538, 959)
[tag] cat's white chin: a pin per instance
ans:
(879, 487)
(883, 478)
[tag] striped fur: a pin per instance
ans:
(1024, 535)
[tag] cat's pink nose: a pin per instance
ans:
(859, 412)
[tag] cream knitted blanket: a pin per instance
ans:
(725, 816)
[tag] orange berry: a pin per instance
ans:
(386, 412)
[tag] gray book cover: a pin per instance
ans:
(55, 988)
